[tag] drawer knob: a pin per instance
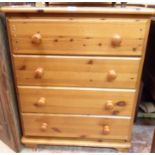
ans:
(112, 75)
(44, 126)
(36, 38)
(116, 40)
(41, 102)
(106, 129)
(39, 72)
(109, 105)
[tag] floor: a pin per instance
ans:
(141, 143)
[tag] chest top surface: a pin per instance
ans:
(78, 9)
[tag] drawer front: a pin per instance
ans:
(76, 71)
(72, 126)
(76, 101)
(84, 36)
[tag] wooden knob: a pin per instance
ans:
(39, 72)
(106, 129)
(36, 38)
(44, 126)
(41, 102)
(116, 40)
(109, 105)
(112, 75)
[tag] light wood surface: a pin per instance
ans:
(76, 101)
(139, 80)
(76, 71)
(84, 36)
(84, 10)
(75, 126)
(72, 142)
(64, 59)
(123, 150)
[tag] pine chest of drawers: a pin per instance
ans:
(77, 72)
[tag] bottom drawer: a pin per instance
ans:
(75, 126)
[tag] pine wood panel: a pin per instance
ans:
(78, 31)
(73, 126)
(117, 144)
(76, 35)
(133, 11)
(76, 101)
(76, 71)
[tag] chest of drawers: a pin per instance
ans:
(77, 73)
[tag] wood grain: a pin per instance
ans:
(76, 71)
(73, 86)
(76, 142)
(76, 36)
(75, 126)
(75, 101)
(78, 10)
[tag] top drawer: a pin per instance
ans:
(77, 36)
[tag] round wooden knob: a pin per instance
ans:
(36, 38)
(44, 126)
(116, 40)
(106, 129)
(109, 105)
(39, 72)
(112, 75)
(41, 102)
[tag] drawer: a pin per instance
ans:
(108, 72)
(78, 36)
(74, 126)
(76, 101)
